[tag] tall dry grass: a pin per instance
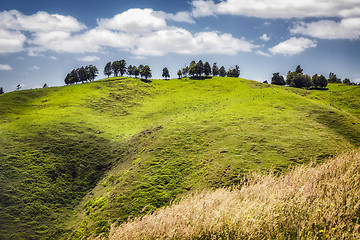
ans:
(308, 202)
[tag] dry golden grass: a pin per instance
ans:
(309, 202)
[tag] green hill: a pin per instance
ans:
(74, 157)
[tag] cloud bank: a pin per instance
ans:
(278, 8)
(142, 32)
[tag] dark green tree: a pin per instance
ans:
(115, 66)
(298, 69)
(145, 72)
(179, 73)
(346, 81)
(300, 81)
(333, 78)
(165, 73)
(215, 70)
(277, 79)
(185, 71)
(18, 87)
(207, 69)
(222, 71)
(234, 72)
(289, 77)
(130, 70)
(45, 86)
(122, 67)
(192, 69)
(67, 79)
(315, 80)
(1, 90)
(199, 68)
(322, 81)
(136, 71)
(92, 72)
(108, 69)
(83, 75)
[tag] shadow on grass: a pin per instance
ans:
(322, 89)
(200, 78)
(146, 80)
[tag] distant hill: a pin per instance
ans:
(74, 159)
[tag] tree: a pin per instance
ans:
(83, 75)
(222, 71)
(92, 72)
(179, 73)
(108, 69)
(315, 80)
(333, 78)
(215, 70)
(192, 68)
(185, 71)
(115, 66)
(346, 81)
(199, 68)
(289, 77)
(277, 79)
(1, 90)
(298, 69)
(122, 67)
(322, 81)
(130, 70)
(136, 71)
(18, 87)
(145, 72)
(207, 69)
(45, 86)
(233, 72)
(300, 80)
(165, 73)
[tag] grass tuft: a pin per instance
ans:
(309, 202)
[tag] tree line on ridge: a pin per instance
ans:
(300, 80)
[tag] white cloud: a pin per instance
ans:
(5, 67)
(11, 41)
(203, 8)
(143, 32)
(265, 37)
(39, 22)
(326, 29)
(262, 53)
(88, 59)
(134, 20)
(293, 46)
(181, 41)
(53, 58)
(90, 41)
(278, 8)
(178, 17)
(34, 68)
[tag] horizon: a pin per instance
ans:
(40, 42)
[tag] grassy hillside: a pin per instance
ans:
(130, 146)
(308, 202)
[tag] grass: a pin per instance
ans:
(308, 202)
(76, 158)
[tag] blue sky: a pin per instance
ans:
(42, 40)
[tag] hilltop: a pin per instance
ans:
(75, 157)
